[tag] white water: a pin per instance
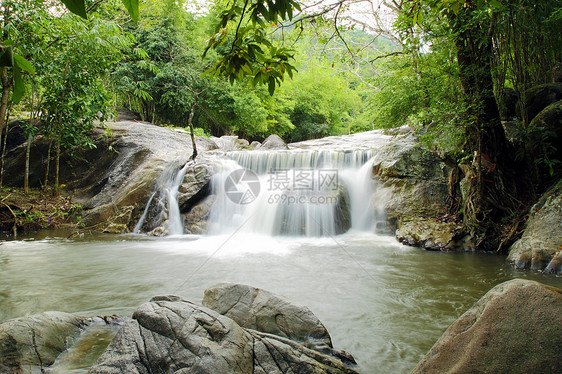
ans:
(175, 223)
(165, 197)
(312, 193)
(302, 193)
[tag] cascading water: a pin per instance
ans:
(301, 193)
(293, 193)
(164, 201)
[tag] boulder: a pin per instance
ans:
(260, 310)
(273, 142)
(541, 242)
(118, 174)
(429, 233)
(29, 344)
(539, 97)
(196, 219)
(549, 120)
(515, 328)
(170, 334)
(255, 145)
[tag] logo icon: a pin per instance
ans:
(242, 186)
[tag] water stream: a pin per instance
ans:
(383, 302)
(295, 193)
(303, 224)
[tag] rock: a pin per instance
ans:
(541, 242)
(273, 142)
(124, 114)
(260, 310)
(515, 328)
(512, 130)
(429, 233)
(195, 183)
(170, 334)
(29, 344)
(415, 197)
(404, 157)
(549, 120)
(555, 265)
(196, 220)
(120, 172)
(539, 97)
(508, 104)
(255, 145)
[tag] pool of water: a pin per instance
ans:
(383, 302)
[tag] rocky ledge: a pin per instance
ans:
(540, 247)
(257, 332)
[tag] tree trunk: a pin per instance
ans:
(190, 123)
(27, 154)
(493, 192)
(47, 167)
(4, 142)
(6, 86)
(57, 165)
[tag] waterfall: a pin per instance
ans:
(162, 211)
(294, 193)
(175, 224)
(310, 193)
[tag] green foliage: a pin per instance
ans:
(244, 47)
(79, 7)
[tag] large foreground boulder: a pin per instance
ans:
(540, 247)
(515, 328)
(172, 335)
(30, 344)
(261, 310)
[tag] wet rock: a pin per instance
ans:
(120, 172)
(255, 145)
(539, 97)
(260, 310)
(195, 183)
(170, 334)
(29, 344)
(273, 142)
(196, 220)
(515, 328)
(429, 233)
(541, 242)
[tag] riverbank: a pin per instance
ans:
(22, 213)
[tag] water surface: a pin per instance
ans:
(383, 302)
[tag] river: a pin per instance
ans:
(383, 302)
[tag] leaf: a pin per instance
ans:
(271, 86)
(133, 8)
(6, 58)
(19, 85)
(77, 7)
(23, 64)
